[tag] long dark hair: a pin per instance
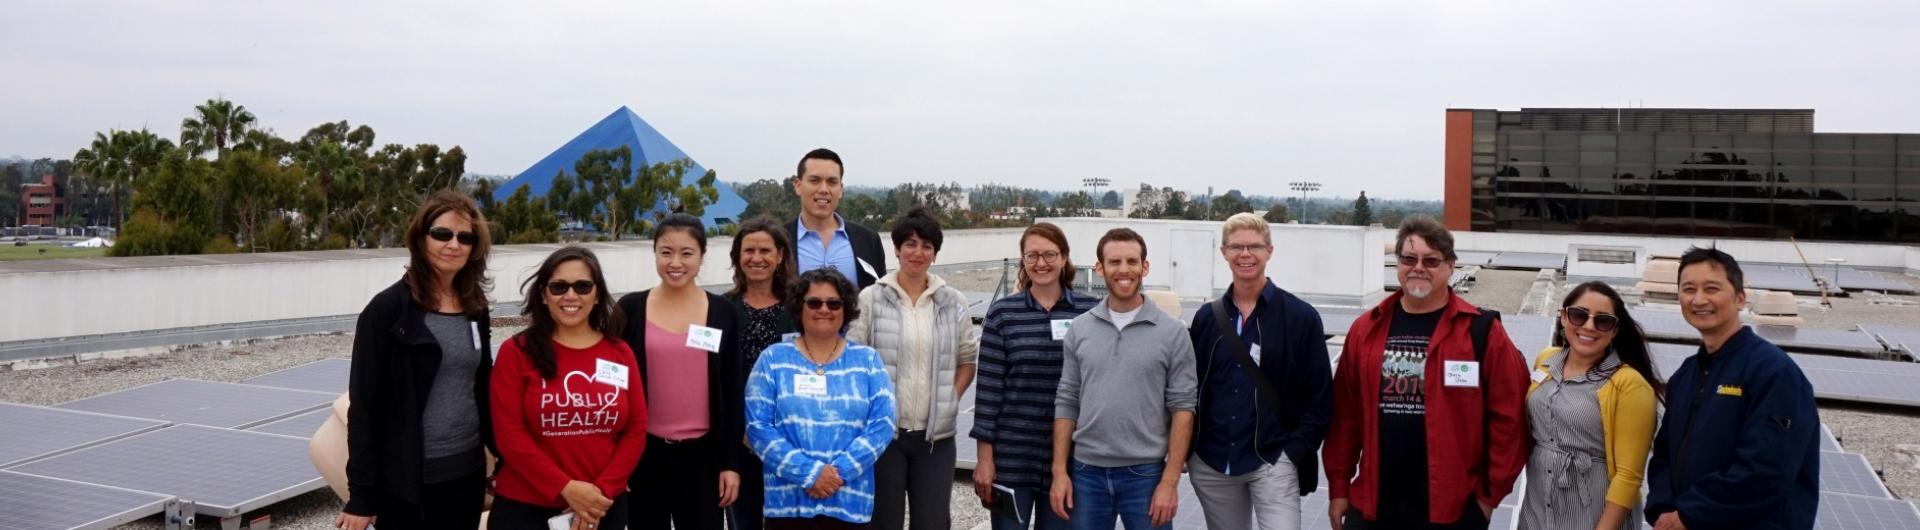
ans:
(849, 296)
(537, 340)
(471, 283)
(781, 244)
(1629, 341)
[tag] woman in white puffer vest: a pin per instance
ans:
(921, 328)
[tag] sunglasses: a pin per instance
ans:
(580, 287)
(1428, 262)
(833, 304)
(444, 234)
(1578, 317)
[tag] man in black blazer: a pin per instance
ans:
(821, 237)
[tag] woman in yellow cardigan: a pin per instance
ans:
(1591, 415)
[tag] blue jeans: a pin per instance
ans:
(1102, 493)
(1036, 507)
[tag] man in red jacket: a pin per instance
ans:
(1426, 433)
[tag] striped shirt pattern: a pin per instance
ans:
(798, 435)
(1019, 378)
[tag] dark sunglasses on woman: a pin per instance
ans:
(444, 234)
(832, 304)
(580, 287)
(1578, 317)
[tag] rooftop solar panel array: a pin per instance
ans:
(214, 404)
(1852, 512)
(225, 472)
(1850, 473)
(34, 432)
(302, 426)
(1672, 327)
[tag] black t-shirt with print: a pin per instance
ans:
(1403, 415)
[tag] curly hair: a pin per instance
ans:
(849, 297)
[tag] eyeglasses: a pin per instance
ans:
(580, 287)
(1429, 262)
(1578, 317)
(444, 234)
(833, 304)
(1244, 249)
(1037, 257)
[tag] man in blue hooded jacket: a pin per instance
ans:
(1740, 444)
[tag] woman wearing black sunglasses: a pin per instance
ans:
(686, 342)
(416, 428)
(1591, 415)
(567, 408)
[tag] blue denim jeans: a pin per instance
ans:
(1036, 507)
(1102, 493)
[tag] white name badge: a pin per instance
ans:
(1539, 376)
(789, 337)
(476, 335)
(611, 373)
(1060, 328)
(1254, 351)
(1462, 373)
(810, 384)
(704, 338)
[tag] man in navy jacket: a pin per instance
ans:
(1740, 444)
(1252, 460)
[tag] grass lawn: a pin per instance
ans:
(13, 253)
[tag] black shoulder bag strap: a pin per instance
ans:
(1482, 327)
(1224, 323)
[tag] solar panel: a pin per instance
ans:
(1528, 260)
(209, 403)
(1852, 512)
(29, 502)
(1901, 338)
(1529, 333)
(1853, 279)
(302, 426)
(1337, 320)
(1820, 339)
(325, 375)
(35, 432)
(1469, 257)
(1851, 474)
(1827, 441)
(225, 472)
(1774, 278)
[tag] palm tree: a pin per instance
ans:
(105, 160)
(217, 125)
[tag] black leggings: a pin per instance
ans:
(509, 514)
(452, 504)
(677, 484)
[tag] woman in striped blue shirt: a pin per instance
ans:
(819, 413)
(1019, 374)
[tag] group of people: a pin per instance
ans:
(822, 391)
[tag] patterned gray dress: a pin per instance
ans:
(1567, 473)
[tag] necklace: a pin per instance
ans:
(819, 368)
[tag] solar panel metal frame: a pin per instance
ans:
(167, 460)
(1827, 441)
(317, 376)
(159, 402)
(18, 427)
(300, 426)
(44, 492)
(1528, 260)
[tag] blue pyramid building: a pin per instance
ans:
(623, 127)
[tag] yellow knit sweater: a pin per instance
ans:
(1627, 421)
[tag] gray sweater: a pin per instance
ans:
(1107, 378)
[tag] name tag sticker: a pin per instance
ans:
(810, 384)
(611, 373)
(1538, 375)
(1254, 351)
(476, 334)
(1060, 328)
(1462, 374)
(788, 337)
(704, 338)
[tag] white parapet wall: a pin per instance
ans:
(1913, 261)
(1340, 265)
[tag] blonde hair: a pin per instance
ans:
(1245, 221)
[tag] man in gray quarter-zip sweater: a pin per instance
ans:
(1124, 415)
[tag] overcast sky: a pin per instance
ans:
(1232, 95)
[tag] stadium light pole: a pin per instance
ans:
(1303, 187)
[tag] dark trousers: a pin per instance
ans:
(917, 472)
(746, 513)
(676, 486)
(1470, 519)
(818, 522)
(452, 504)
(509, 514)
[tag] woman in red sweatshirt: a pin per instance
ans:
(568, 411)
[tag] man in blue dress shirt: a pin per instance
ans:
(822, 237)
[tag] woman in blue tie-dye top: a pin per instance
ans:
(819, 413)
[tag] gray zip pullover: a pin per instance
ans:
(1122, 386)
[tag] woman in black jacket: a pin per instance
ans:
(686, 344)
(417, 426)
